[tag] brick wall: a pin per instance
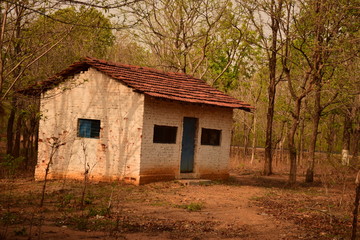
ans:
(91, 95)
(162, 161)
(127, 125)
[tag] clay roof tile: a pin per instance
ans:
(151, 82)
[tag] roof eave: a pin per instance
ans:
(241, 107)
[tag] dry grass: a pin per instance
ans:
(319, 210)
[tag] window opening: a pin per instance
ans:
(164, 134)
(88, 128)
(210, 136)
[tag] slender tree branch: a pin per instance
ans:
(32, 62)
(73, 23)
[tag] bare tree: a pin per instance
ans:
(299, 88)
(87, 170)
(321, 29)
(261, 12)
(185, 35)
(54, 143)
(25, 43)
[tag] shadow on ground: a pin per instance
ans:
(274, 181)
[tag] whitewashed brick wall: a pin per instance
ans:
(92, 95)
(164, 159)
(127, 125)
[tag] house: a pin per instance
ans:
(132, 123)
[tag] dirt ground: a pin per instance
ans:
(247, 206)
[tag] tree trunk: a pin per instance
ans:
(281, 159)
(330, 137)
(253, 150)
(35, 146)
(291, 141)
(10, 127)
(346, 139)
(355, 145)
(316, 72)
(292, 152)
(356, 208)
(14, 102)
(5, 11)
(301, 143)
(272, 86)
(246, 131)
(269, 127)
(33, 136)
(313, 139)
(26, 147)
(17, 146)
(27, 144)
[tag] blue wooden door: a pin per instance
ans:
(188, 145)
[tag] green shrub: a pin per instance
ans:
(10, 164)
(92, 212)
(191, 207)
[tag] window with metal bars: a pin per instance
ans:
(210, 136)
(88, 128)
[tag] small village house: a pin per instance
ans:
(132, 123)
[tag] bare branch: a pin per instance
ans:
(32, 62)
(73, 23)
(108, 6)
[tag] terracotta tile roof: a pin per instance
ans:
(151, 82)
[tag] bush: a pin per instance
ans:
(10, 165)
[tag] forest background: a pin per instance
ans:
(297, 62)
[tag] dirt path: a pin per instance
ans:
(155, 211)
(229, 210)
